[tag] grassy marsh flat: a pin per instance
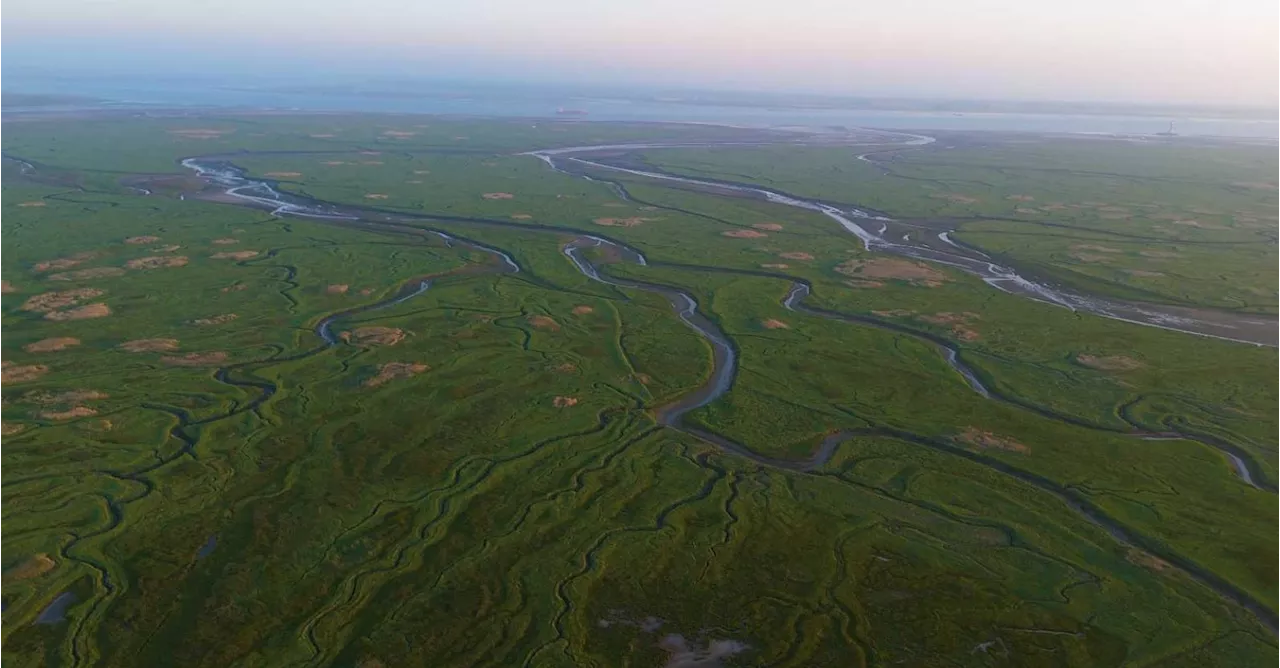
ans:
(239, 437)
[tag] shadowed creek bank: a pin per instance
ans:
(236, 187)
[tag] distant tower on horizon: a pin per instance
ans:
(1169, 132)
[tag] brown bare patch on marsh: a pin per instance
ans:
(196, 359)
(878, 269)
(69, 414)
(1094, 247)
(567, 367)
(394, 370)
(7, 288)
(9, 428)
(1021, 198)
(521, 216)
(544, 322)
(226, 241)
(51, 345)
(958, 322)
(86, 274)
(1091, 257)
(67, 397)
(338, 289)
(989, 441)
(158, 262)
(80, 313)
(498, 196)
(376, 196)
(956, 198)
(743, 234)
(166, 249)
(33, 567)
(235, 255)
(200, 133)
(215, 320)
(144, 239)
(373, 336)
(774, 324)
(775, 266)
(63, 262)
(796, 255)
(149, 345)
(564, 402)
(768, 227)
(1111, 363)
(21, 373)
(51, 301)
(622, 222)
(583, 310)
(1146, 560)
(32, 204)
(1143, 273)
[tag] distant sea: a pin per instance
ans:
(500, 103)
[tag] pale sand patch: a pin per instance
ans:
(20, 373)
(144, 239)
(1023, 209)
(373, 336)
(80, 313)
(324, 135)
(215, 320)
(622, 222)
(51, 301)
(337, 289)
(796, 255)
(956, 197)
(770, 227)
(1150, 561)
(158, 262)
(393, 370)
(86, 274)
(582, 310)
(894, 313)
(1111, 363)
(1090, 257)
(376, 196)
(774, 324)
(743, 234)
(366, 292)
(959, 323)
(63, 262)
(200, 133)
(31, 204)
(69, 414)
(226, 241)
(567, 367)
(874, 270)
(414, 182)
(862, 283)
(987, 440)
(7, 288)
(370, 152)
(51, 345)
(235, 255)
(9, 429)
(521, 216)
(68, 397)
(543, 322)
(332, 162)
(33, 567)
(644, 378)
(166, 249)
(149, 345)
(1143, 273)
(564, 402)
(1092, 247)
(283, 175)
(421, 171)
(498, 196)
(1021, 198)
(1158, 254)
(775, 266)
(196, 359)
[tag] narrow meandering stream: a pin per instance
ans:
(261, 195)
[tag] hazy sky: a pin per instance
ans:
(1204, 51)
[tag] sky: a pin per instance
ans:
(1215, 52)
